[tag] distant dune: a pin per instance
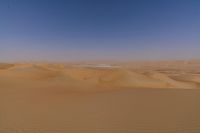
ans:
(100, 77)
(134, 97)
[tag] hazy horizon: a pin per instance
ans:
(50, 30)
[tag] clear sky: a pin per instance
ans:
(99, 29)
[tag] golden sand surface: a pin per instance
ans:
(126, 97)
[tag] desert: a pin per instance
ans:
(115, 97)
(99, 66)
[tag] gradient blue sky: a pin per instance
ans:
(65, 30)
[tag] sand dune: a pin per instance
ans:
(132, 98)
(5, 65)
(94, 77)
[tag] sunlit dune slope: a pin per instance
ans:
(70, 77)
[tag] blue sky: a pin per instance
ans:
(65, 30)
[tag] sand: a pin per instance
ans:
(134, 97)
